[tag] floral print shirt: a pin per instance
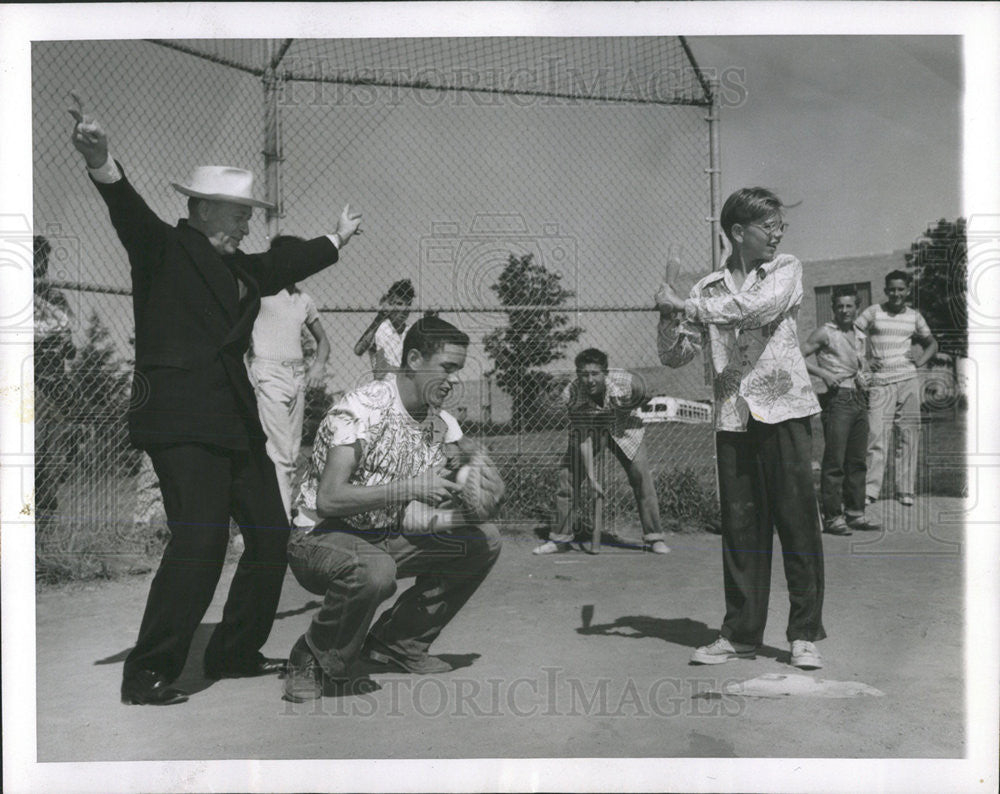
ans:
(624, 427)
(753, 362)
(393, 446)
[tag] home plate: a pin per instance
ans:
(777, 685)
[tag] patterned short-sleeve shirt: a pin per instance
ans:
(393, 445)
(626, 429)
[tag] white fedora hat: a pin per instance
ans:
(221, 183)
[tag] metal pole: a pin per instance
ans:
(272, 148)
(715, 176)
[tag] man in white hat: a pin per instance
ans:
(195, 297)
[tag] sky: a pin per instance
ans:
(863, 133)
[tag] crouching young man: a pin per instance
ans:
(600, 406)
(377, 450)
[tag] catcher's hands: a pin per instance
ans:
(482, 487)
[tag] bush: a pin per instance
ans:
(688, 501)
(318, 402)
(92, 535)
(688, 498)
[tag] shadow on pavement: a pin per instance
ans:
(114, 658)
(458, 660)
(308, 606)
(192, 678)
(680, 631)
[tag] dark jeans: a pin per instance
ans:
(765, 482)
(845, 434)
(355, 571)
(202, 486)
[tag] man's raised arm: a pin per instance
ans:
(136, 224)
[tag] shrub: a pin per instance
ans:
(688, 501)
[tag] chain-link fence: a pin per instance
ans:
(584, 160)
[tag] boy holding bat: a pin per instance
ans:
(744, 317)
(600, 404)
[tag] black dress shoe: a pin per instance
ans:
(148, 688)
(260, 665)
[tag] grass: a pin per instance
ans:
(681, 457)
(941, 465)
(92, 535)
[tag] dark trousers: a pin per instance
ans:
(765, 483)
(845, 434)
(202, 487)
(355, 571)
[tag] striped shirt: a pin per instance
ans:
(889, 339)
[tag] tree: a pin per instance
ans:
(534, 336)
(938, 263)
(99, 397)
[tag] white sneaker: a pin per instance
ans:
(805, 655)
(722, 650)
(551, 547)
(658, 547)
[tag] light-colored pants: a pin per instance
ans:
(356, 570)
(893, 404)
(281, 400)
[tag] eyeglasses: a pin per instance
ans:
(771, 229)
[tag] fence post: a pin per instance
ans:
(714, 175)
(273, 154)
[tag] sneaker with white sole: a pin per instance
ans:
(657, 547)
(722, 650)
(552, 547)
(864, 523)
(837, 526)
(805, 656)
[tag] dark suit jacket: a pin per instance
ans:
(191, 329)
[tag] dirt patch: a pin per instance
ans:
(565, 656)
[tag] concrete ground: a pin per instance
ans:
(562, 656)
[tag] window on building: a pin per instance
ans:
(824, 307)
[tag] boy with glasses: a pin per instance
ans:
(744, 317)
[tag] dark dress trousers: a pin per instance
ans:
(194, 411)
